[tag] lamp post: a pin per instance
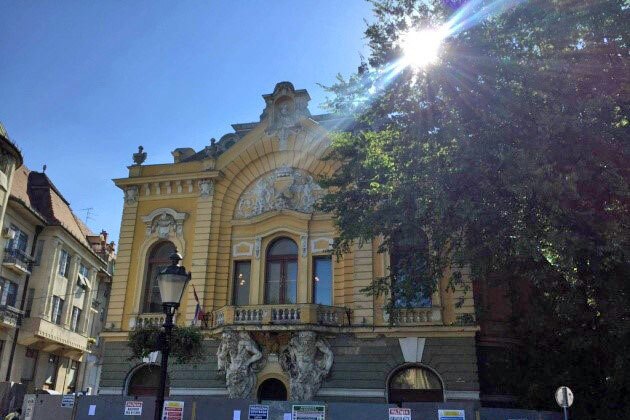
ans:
(172, 281)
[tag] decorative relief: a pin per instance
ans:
(131, 195)
(304, 245)
(321, 245)
(243, 249)
(206, 188)
(257, 245)
(164, 222)
(307, 360)
(239, 358)
(284, 188)
(285, 107)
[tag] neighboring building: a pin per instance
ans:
(54, 276)
(286, 320)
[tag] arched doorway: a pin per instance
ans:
(414, 383)
(281, 273)
(272, 389)
(145, 380)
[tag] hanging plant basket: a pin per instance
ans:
(186, 343)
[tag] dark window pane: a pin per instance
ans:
(322, 280)
(283, 246)
(272, 285)
(242, 271)
(291, 283)
(157, 261)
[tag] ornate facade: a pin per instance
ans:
(285, 320)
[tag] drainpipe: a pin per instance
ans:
(38, 230)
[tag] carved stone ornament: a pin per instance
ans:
(284, 188)
(285, 107)
(164, 222)
(131, 195)
(206, 188)
(239, 358)
(140, 156)
(307, 360)
(257, 244)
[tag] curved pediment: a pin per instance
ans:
(284, 188)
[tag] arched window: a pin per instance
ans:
(145, 380)
(414, 384)
(158, 259)
(281, 274)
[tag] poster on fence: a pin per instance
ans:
(258, 412)
(173, 410)
(67, 401)
(308, 412)
(451, 415)
(133, 408)
(399, 413)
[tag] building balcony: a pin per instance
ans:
(155, 319)
(47, 336)
(17, 260)
(10, 316)
(281, 315)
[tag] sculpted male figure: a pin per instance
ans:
(237, 356)
(307, 359)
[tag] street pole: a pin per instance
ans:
(565, 406)
(165, 348)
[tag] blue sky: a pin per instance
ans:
(84, 83)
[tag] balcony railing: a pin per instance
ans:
(10, 316)
(414, 316)
(17, 260)
(150, 319)
(290, 314)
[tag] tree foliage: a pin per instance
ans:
(186, 343)
(512, 155)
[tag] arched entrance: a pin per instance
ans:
(272, 389)
(281, 275)
(414, 383)
(145, 380)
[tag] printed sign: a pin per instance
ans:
(29, 406)
(173, 410)
(308, 412)
(133, 408)
(400, 414)
(451, 415)
(258, 412)
(67, 401)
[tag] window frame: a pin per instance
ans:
(64, 263)
(150, 281)
(284, 260)
(235, 281)
(56, 312)
(315, 283)
(75, 321)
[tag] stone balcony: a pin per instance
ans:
(10, 316)
(281, 315)
(17, 260)
(47, 336)
(149, 319)
(414, 316)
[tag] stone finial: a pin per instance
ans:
(140, 156)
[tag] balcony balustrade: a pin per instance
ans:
(289, 314)
(414, 316)
(10, 316)
(150, 319)
(17, 260)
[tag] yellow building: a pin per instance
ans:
(286, 320)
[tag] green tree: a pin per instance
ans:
(511, 154)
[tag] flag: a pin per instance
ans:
(200, 315)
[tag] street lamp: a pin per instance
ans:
(172, 281)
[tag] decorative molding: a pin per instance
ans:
(321, 245)
(304, 245)
(206, 188)
(285, 188)
(131, 195)
(461, 395)
(198, 391)
(285, 108)
(351, 392)
(257, 245)
(110, 390)
(243, 249)
(164, 222)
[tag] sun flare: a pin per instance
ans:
(421, 47)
